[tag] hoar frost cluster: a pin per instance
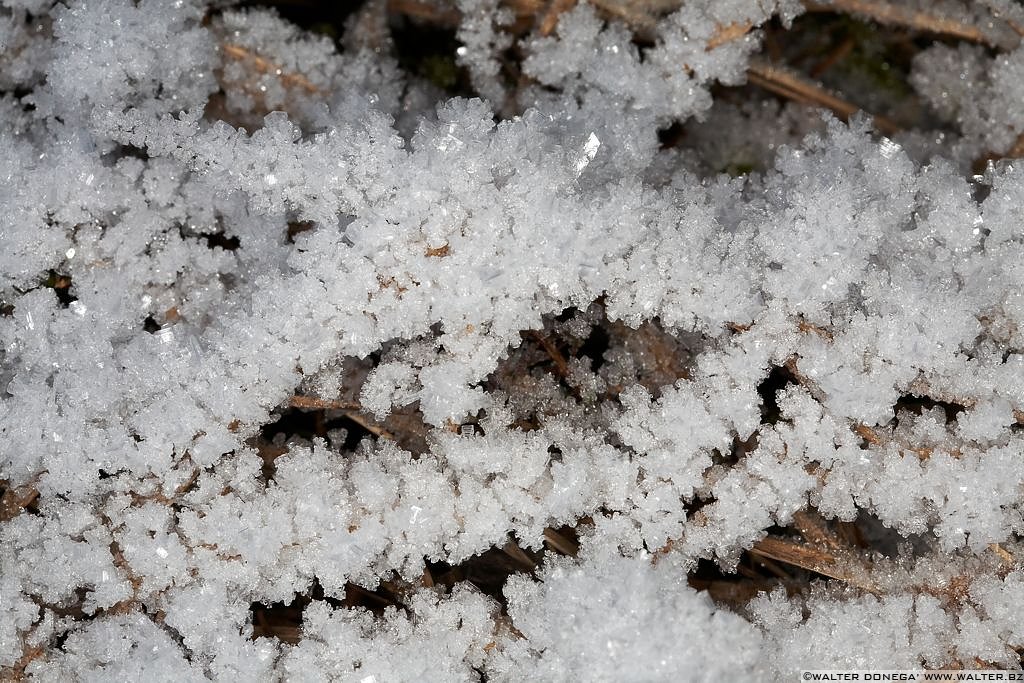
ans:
(415, 263)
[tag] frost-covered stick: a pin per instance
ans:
(264, 66)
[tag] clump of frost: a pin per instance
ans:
(209, 210)
(669, 79)
(442, 639)
(615, 618)
(979, 93)
(482, 44)
(113, 53)
(901, 629)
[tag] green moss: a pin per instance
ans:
(871, 58)
(739, 168)
(440, 70)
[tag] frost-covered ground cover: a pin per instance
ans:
(312, 371)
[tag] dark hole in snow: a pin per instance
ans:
(706, 571)
(594, 347)
(284, 620)
(19, 94)
(778, 379)
(306, 424)
(672, 136)
(62, 637)
(219, 239)
(323, 18)
(888, 541)
(278, 620)
(150, 325)
(567, 314)
(736, 452)
(918, 404)
(430, 52)
(488, 571)
(297, 228)
(130, 151)
(61, 286)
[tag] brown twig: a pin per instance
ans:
(868, 434)
(159, 497)
(772, 566)
(426, 11)
(314, 403)
(546, 14)
(369, 425)
(513, 550)
(807, 557)
(797, 88)
(118, 560)
(727, 34)
(1003, 554)
(560, 543)
(1016, 151)
(897, 14)
(15, 500)
(815, 530)
(630, 13)
(561, 365)
(804, 557)
(551, 15)
(833, 57)
(16, 672)
(351, 410)
(265, 66)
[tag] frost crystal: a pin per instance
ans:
(621, 371)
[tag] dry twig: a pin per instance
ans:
(550, 18)
(728, 33)
(900, 14)
(792, 86)
(314, 403)
(810, 558)
(15, 500)
(561, 365)
(560, 543)
(265, 66)
(513, 550)
(350, 409)
(369, 425)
